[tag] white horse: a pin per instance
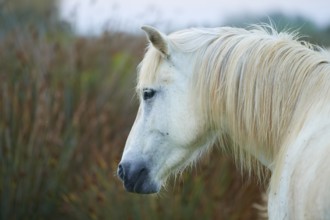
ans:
(263, 94)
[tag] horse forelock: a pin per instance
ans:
(147, 69)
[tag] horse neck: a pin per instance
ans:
(253, 90)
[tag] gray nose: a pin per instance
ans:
(135, 177)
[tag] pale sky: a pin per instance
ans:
(92, 16)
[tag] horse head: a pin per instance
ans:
(169, 130)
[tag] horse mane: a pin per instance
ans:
(252, 84)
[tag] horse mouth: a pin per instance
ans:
(136, 178)
(141, 187)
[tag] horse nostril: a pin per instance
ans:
(121, 172)
(143, 171)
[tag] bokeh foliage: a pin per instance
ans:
(66, 107)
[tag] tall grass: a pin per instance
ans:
(66, 107)
(65, 110)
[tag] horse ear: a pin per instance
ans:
(158, 39)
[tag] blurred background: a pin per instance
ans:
(67, 77)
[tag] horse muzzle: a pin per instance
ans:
(136, 178)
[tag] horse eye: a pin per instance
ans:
(148, 93)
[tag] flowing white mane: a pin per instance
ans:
(250, 83)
